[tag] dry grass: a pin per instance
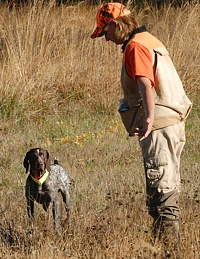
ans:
(59, 89)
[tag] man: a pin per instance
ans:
(154, 108)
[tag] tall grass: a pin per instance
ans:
(59, 89)
(48, 58)
(49, 49)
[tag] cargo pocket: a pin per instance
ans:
(155, 169)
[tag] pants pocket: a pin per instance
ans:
(155, 169)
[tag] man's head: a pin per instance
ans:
(106, 14)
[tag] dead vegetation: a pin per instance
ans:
(59, 89)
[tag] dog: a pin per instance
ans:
(43, 184)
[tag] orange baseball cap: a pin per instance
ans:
(105, 14)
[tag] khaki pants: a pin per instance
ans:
(161, 152)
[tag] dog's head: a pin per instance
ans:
(38, 160)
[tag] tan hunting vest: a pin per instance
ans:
(171, 102)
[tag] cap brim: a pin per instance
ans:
(97, 33)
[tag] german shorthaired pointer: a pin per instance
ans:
(44, 183)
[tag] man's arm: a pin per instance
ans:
(145, 88)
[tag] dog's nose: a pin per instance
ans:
(40, 163)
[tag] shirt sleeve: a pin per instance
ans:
(139, 62)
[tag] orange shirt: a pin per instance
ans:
(138, 61)
(138, 57)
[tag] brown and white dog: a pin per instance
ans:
(44, 182)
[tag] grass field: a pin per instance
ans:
(59, 90)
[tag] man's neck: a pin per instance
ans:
(137, 30)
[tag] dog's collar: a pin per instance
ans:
(42, 179)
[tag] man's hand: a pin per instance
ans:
(143, 133)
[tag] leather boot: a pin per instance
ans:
(171, 238)
(167, 231)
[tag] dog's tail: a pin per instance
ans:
(55, 161)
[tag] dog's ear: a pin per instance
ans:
(26, 162)
(48, 161)
(47, 154)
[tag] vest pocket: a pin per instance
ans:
(132, 118)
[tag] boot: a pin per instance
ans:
(171, 238)
(167, 231)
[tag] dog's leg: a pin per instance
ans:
(66, 200)
(30, 208)
(30, 211)
(56, 213)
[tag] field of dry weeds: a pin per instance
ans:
(59, 89)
